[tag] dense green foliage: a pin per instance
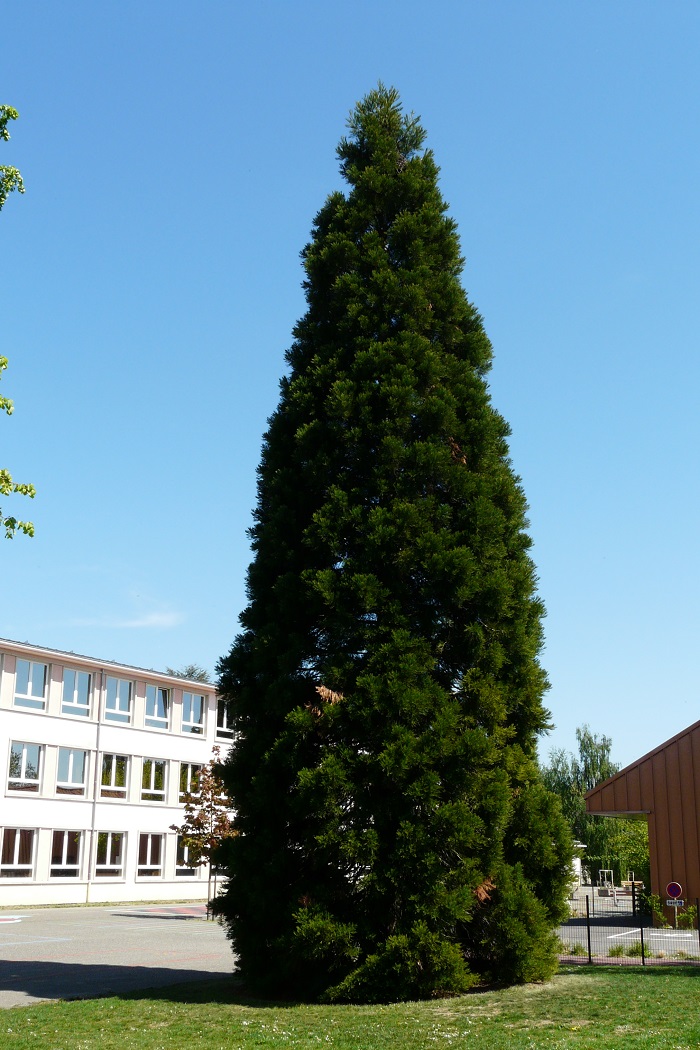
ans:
(395, 837)
(618, 844)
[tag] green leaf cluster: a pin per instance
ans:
(619, 844)
(395, 839)
(10, 179)
(7, 486)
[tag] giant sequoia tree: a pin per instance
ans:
(395, 839)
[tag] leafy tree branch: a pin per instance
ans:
(10, 179)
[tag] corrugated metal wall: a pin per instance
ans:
(665, 784)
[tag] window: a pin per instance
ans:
(183, 866)
(189, 779)
(118, 707)
(223, 727)
(17, 856)
(192, 713)
(25, 766)
(76, 693)
(157, 707)
(109, 863)
(153, 781)
(30, 685)
(65, 855)
(114, 776)
(72, 770)
(150, 856)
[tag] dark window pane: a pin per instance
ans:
(102, 847)
(120, 774)
(57, 847)
(26, 841)
(8, 846)
(72, 847)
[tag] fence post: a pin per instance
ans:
(634, 900)
(641, 937)
(588, 929)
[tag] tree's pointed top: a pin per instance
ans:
(378, 126)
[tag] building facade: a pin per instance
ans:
(95, 758)
(664, 787)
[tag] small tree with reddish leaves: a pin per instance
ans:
(208, 811)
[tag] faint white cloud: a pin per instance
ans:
(158, 620)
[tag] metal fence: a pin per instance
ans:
(612, 927)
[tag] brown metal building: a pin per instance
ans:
(665, 786)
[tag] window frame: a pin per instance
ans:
(116, 712)
(73, 787)
(149, 792)
(112, 790)
(157, 695)
(64, 869)
(191, 778)
(110, 869)
(29, 700)
(22, 783)
(74, 707)
(223, 730)
(148, 868)
(189, 725)
(183, 868)
(14, 869)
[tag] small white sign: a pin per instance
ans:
(675, 904)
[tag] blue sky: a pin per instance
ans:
(174, 157)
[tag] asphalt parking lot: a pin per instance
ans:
(70, 953)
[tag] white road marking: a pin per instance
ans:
(673, 934)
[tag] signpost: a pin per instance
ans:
(674, 891)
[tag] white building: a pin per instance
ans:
(94, 758)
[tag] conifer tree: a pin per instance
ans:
(395, 839)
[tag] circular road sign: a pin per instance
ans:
(674, 890)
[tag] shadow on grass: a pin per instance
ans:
(69, 981)
(230, 991)
(233, 991)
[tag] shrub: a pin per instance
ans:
(651, 902)
(687, 917)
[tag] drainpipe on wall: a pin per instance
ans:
(95, 786)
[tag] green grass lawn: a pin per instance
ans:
(587, 1009)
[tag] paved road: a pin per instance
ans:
(606, 935)
(67, 953)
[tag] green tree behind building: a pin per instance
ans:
(617, 844)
